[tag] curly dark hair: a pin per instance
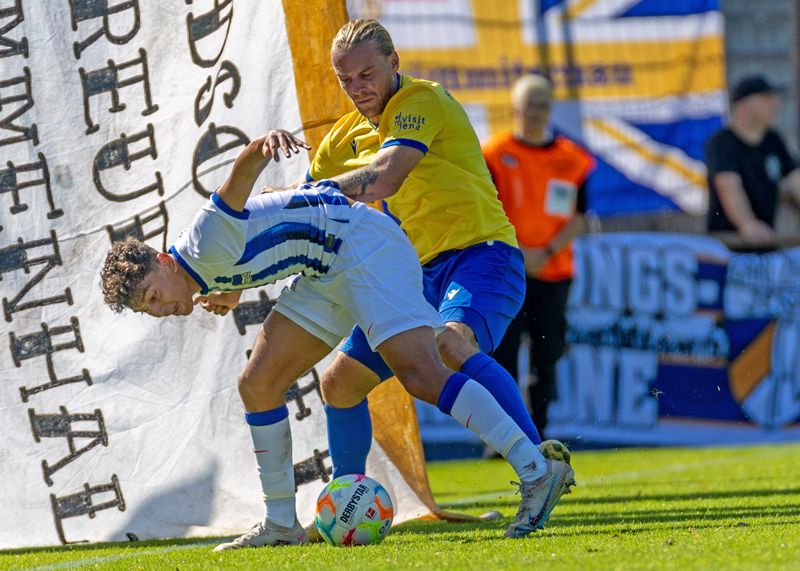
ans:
(126, 265)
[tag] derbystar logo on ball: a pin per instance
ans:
(354, 510)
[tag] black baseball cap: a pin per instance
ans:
(753, 85)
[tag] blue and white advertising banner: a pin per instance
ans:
(674, 340)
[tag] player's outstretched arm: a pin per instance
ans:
(382, 177)
(251, 161)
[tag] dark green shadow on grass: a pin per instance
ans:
(504, 499)
(719, 513)
(78, 547)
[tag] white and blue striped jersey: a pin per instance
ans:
(278, 234)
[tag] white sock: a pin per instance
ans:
(476, 409)
(520, 454)
(272, 445)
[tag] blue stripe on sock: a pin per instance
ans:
(267, 417)
(450, 391)
(503, 387)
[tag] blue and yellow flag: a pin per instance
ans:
(640, 83)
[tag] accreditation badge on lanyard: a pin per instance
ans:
(560, 198)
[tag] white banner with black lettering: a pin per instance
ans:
(114, 119)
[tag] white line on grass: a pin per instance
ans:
(108, 558)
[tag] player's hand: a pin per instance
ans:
(218, 302)
(280, 141)
(757, 232)
(267, 189)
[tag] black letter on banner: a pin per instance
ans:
(205, 25)
(117, 153)
(227, 71)
(252, 312)
(296, 393)
(41, 343)
(13, 47)
(9, 182)
(136, 229)
(208, 147)
(81, 10)
(60, 426)
(312, 469)
(16, 258)
(107, 79)
(80, 504)
(6, 122)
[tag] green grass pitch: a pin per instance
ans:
(685, 509)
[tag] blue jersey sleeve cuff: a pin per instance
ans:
(309, 178)
(414, 144)
(243, 215)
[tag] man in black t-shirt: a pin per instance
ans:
(749, 166)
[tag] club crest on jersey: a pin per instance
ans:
(772, 164)
(408, 122)
(509, 160)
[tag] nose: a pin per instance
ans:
(355, 88)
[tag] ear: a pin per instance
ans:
(165, 259)
(394, 58)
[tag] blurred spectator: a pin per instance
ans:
(749, 166)
(541, 182)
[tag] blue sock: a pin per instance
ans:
(349, 438)
(450, 392)
(504, 389)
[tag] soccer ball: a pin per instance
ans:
(354, 510)
(555, 450)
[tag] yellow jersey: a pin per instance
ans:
(448, 201)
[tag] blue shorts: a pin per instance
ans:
(482, 286)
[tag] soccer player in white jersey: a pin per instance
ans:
(355, 266)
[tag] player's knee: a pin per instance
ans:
(335, 391)
(257, 387)
(346, 382)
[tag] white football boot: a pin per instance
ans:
(267, 534)
(539, 498)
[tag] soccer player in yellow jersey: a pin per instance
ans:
(409, 148)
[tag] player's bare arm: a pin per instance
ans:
(237, 187)
(382, 177)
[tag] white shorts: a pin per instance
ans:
(375, 281)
